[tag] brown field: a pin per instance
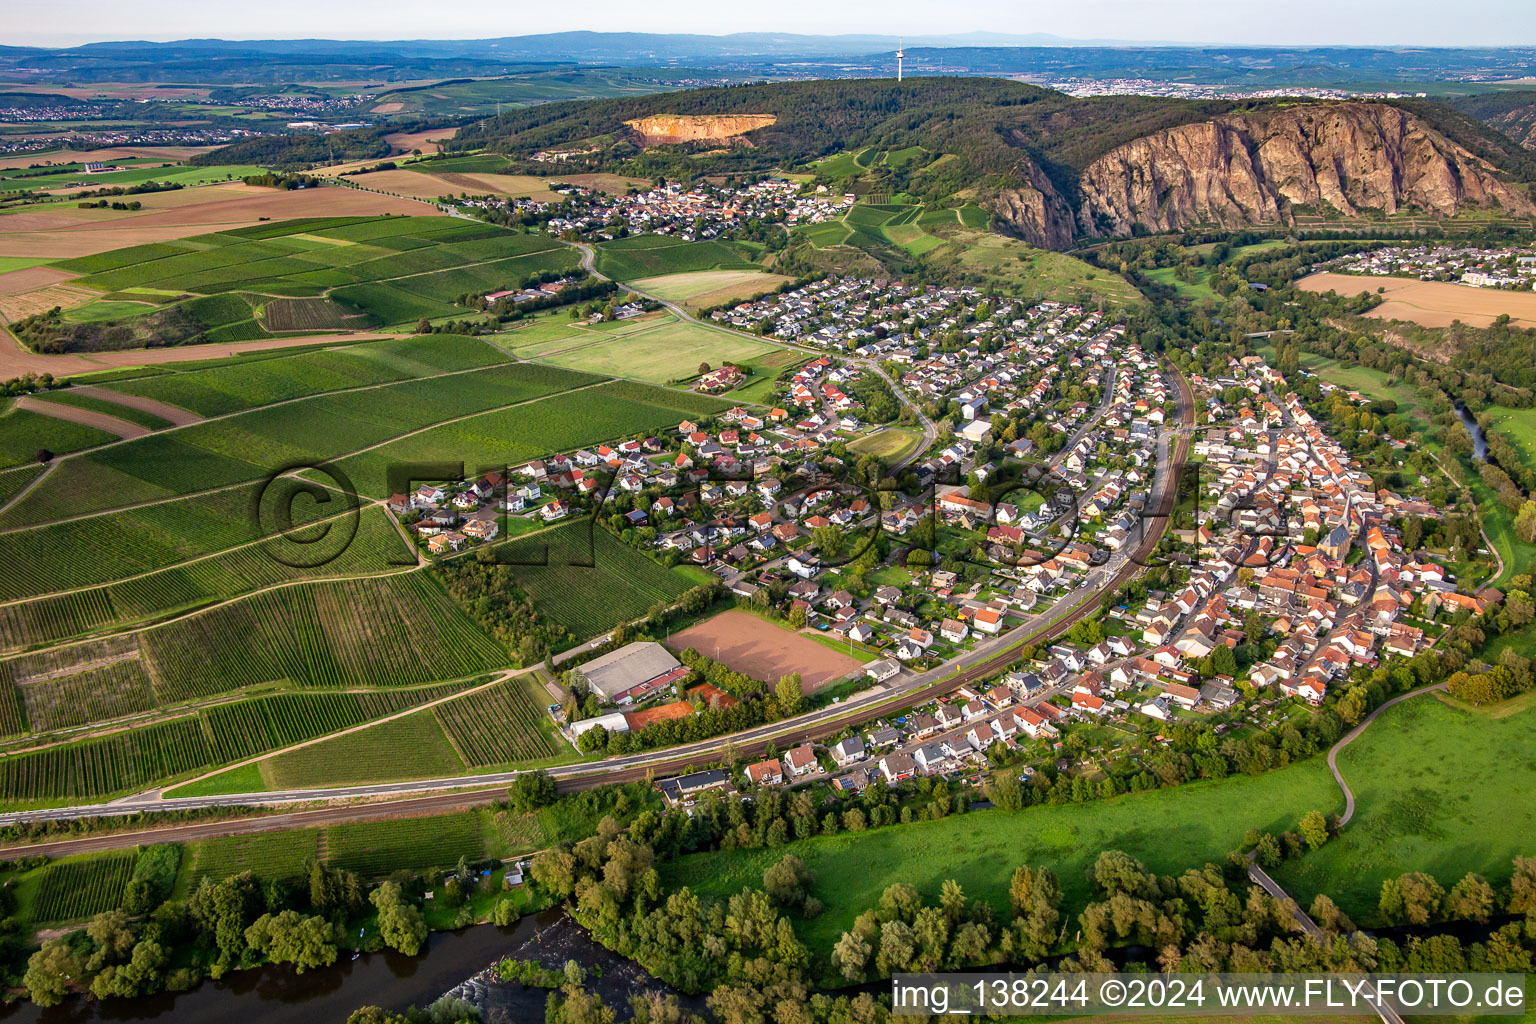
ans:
(87, 417)
(388, 108)
(41, 300)
(16, 360)
(170, 154)
(175, 414)
(426, 141)
(762, 650)
(430, 186)
(62, 231)
(1430, 303)
(31, 278)
(705, 288)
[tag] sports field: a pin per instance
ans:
(1430, 303)
(765, 651)
(889, 444)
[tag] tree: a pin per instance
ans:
(851, 955)
(532, 790)
(1314, 829)
(1525, 522)
(400, 923)
(786, 882)
(288, 937)
(788, 694)
(50, 971)
(1471, 899)
(1411, 898)
(704, 368)
(423, 326)
(1005, 792)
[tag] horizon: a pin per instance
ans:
(1195, 23)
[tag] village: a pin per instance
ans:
(693, 212)
(1508, 266)
(1285, 572)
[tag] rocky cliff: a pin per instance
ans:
(662, 129)
(1239, 169)
(1036, 212)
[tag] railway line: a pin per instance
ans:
(430, 796)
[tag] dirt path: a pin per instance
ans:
(85, 417)
(1349, 737)
(177, 416)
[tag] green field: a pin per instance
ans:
(1439, 787)
(890, 444)
(15, 182)
(642, 256)
(385, 270)
(379, 847)
(668, 351)
(267, 855)
(1169, 830)
(413, 747)
(1196, 289)
(500, 725)
(589, 581)
(24, 433)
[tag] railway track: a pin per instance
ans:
(575, 778)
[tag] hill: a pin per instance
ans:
(1054, 168)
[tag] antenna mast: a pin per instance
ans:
(900, 54)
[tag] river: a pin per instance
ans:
(278, 995)
(1479, 442)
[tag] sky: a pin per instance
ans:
(1247, 22)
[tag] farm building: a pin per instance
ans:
(632, 673)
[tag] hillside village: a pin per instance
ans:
(1287, 570)
(690, 212)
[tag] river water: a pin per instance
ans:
(278, 995)
(1479, 443)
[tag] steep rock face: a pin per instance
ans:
(1242, 169)
(1035, 212)
(662, 129)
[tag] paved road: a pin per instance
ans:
(985, 661)
(930, 429)
(1261, 878)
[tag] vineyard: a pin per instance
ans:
(74, 889)
(592, 581)
(98, 693)
(252, 727)
(314, 315)
(396, 630)
(509, 437)
(497, 726)
(413, 747)
(376, 547)
(261, 379)
(266, 854)
(122, 761)
(379, 847)
(250, 445)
